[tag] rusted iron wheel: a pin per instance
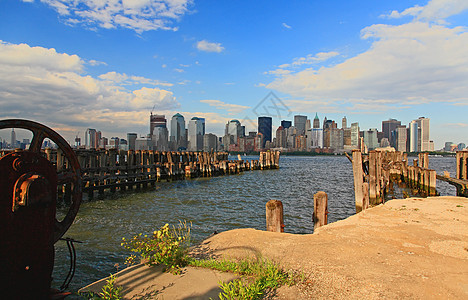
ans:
(72, 176)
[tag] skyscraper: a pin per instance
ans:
(196, 130)
(178, 135)
(91, 138)
(413, 138)
(316, 121)
(157, 121)
(355, 135)
(300, 124)
(13, 139)
(286, 124)
(264, 127)
(401, 138)
(344, 123)
(389, 126)
(423, 134)
(131, 140)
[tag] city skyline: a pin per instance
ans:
(72, 66)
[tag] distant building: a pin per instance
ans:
(178, 137)
(355, 135)
(13, 139)
(370, 138)
(316, 123)
(413, 136)
(281, 140)
(344, 123)
(401, 138)
(91, 140)
(461, 146)
(388, 127)
(210, 142)
(317, 138)
(300, 124)
(131, 138)
(265, 128)
(157, 121)
(286, 124)
(196, 131)
(423, 134)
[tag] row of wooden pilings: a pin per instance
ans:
(274, 213)
(121, 170)
(373, 173)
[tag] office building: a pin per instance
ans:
(370, 138)
(401, 138)
(210, 142)
(423, 134)
(300, 124)
(157, 121)
(91, 139)
(178, 137)
(355, 135)
(286, 124)
(413, 136)
(196, 131)
(264, 128)
(388, 127)
(316, 123)
(131, 138)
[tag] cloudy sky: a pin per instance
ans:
(106, 64)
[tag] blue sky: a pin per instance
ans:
(104, 64)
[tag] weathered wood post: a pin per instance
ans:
(372, 177)
(274, 216)
(432, 182)
(358, 179)
(320, 209)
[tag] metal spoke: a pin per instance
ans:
(36, 143)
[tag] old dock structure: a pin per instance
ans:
(118, 170)
(373, 173)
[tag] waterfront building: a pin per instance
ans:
(265, 128)
(355, 135)
(178, 137)
(196, 131)
(281, 140)
(300, 124)
(131, 138)
(160, 139)
(235, 129)
(423, 134)
(210, 142)
(317, 138)
(461, 146)
(413, 136)
(370, 138)
(400, 137)
(389, 126)
(448, 146)
(336, 139)
(286, 124)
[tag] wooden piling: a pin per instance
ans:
(320, 209)
(274, 216)
(358, 180)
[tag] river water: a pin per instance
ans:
(212, 204)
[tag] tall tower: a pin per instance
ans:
(413, 138)
(264, 127)
(344, 123)
(300, 124)
(316, 121)
(423, 134)
(157, 121)
(389, 126)
(178, 134)
(196, 131)
(13, 139)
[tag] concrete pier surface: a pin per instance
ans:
(415, 248)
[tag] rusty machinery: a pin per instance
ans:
(28, 224)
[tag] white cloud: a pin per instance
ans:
(435, 10)
(286, 26)
(206, 46)
(232, 108)
(310, 59)
(412, 63)
(137, 15)
(41, 84)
